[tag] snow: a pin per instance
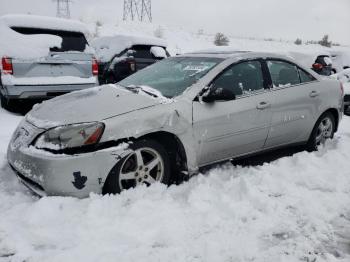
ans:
(158, 52)
(16, 45)
(296, 208)
(293, 209)
(109, 46)
(58, 80)
(43, 22)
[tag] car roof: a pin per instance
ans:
(239, 54)
(43, 22)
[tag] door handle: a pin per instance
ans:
(314, 93)
(263, 105)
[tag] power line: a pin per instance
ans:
(62, 8)
(138, 9)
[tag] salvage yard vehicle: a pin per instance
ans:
(170, 119)
(344, 77)
(43, 57)
(122, 55)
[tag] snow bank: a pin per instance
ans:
(43, 22)
(109, 46)
(293, 209)
(17, 45)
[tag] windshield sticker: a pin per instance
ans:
(198, 68)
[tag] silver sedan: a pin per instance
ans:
(170, 119)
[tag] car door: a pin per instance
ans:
(295, 99)
(225, 129)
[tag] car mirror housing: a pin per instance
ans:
(130, 52)
(217, 94)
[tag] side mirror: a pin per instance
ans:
(217, 94)
(130, 52)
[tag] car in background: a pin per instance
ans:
(341, 60)
(43, 57)
(318, 61)
(344, 78)
(170, 119)
(122, 55)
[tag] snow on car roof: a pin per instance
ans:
(16, 45)
(43, 22)
(109, 46)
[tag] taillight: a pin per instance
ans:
(7, 67)
(94, 67)
(317, 66)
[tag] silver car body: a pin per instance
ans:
(56, 73)
(208, 132)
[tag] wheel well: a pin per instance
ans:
(335, 114)
(175, 149)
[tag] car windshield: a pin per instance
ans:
(172, 76)
(71, 41)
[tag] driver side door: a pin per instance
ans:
(225, 129)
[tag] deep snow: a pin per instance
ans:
(293, 209)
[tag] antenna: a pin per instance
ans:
(138, 9)
(63, 8)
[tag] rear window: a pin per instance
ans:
(71, 41)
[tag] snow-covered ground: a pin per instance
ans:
(294, 209)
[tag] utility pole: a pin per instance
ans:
(62, 9)
(138, 9)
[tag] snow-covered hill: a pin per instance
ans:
(182, 40)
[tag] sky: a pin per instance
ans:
(280, 19)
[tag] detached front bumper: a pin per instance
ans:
(63, 175)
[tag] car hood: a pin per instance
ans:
(89, 105)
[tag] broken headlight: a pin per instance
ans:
(70, 136)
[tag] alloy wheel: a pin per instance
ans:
(143, 166)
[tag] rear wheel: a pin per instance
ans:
(323, 130)
(147, 164)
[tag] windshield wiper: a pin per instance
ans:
(143, 89)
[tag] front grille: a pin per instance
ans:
(347, 98)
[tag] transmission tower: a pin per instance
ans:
(138, 9)
(63, 8)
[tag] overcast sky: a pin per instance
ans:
(287, 19)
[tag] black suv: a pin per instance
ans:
(120, 56)
(323, 65)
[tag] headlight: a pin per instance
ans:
(70, 136)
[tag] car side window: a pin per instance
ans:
(241, 79)
(283, 73)
(305, 77)
(142, 51)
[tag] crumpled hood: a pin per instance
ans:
(93, 104)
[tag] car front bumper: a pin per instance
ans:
(59, 174)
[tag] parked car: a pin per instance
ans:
(319, 61)
(171, 118)
(122, 55)
(42, 57)
(341, 60)
(344, 77)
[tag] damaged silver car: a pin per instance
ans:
(170, 119)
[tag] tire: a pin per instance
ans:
(130, 172)
(326, 123)
(5, 102)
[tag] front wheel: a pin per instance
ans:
(148, 163)
(323, 130)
